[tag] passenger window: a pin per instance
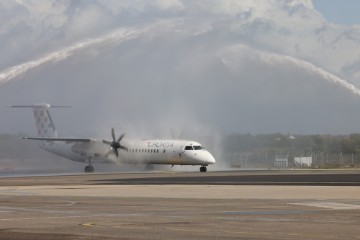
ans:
(188, 148)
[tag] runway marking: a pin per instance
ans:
(329, 205)
(276, 235)
(88, 224)
(41, 210)
(268, 212)
(247, 233)
(15, 192)
(250, 234)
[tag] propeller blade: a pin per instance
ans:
(121, 137)
(115, 145)
(124, 148)
(113, 134)
(116, 152)
(107, 154)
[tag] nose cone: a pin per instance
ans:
(208, 158)
(201, 157)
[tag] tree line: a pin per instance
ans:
(326, 151)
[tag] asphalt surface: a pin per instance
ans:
(267, 178)
(212, 205)
(251, 177)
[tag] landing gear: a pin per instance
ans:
(203, 169)
(89, 168)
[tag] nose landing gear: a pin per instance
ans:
(203, 169)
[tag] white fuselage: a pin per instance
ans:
(169, 152)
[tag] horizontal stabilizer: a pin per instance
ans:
(41, 105)
(61, 139)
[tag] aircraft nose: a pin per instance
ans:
(209, 158)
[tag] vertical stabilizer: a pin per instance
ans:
(44, 123)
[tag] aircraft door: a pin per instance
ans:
(177, 155)
(164, 155)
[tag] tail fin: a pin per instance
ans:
(43, 120)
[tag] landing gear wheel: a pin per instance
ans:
(203, 169)
(89, 169)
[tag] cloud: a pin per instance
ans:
(145, 67)
(169, 5)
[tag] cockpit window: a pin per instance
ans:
(188, 148)
(198, 147)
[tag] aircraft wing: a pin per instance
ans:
(61, 139)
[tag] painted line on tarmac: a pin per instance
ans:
(249, 234)
(65, 217)
(329, 205)
(282, 236)
(91, 224)
(268, 212)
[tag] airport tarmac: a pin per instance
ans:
(169, 205)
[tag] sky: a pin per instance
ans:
(193, 67)
(338, 11)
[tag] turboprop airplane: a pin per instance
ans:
(136, 151)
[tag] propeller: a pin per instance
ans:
(115, 144)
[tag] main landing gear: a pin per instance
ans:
(203, 169)
(89, 168)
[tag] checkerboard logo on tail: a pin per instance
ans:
(44, 123)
